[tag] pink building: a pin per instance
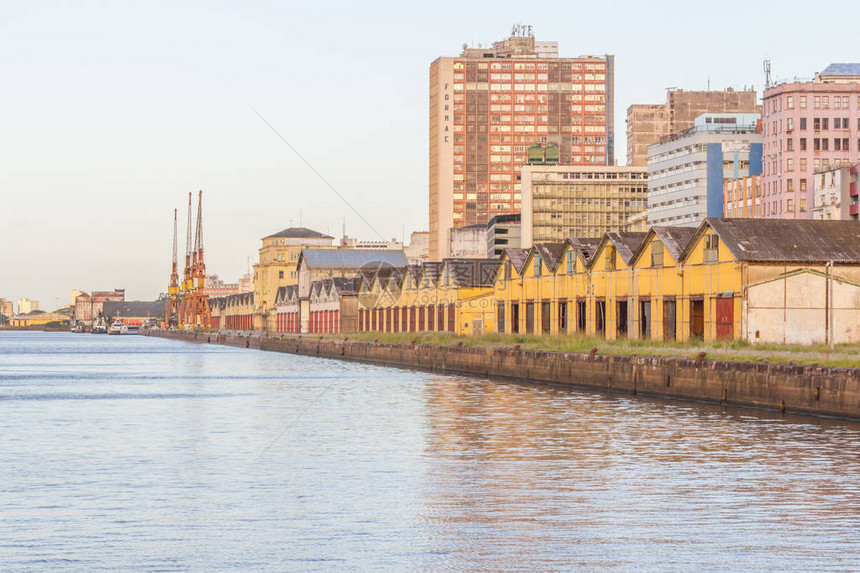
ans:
(807, 126)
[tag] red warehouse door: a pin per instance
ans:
(725, 318)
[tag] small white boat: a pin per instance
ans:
(119, 327)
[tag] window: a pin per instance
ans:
(789, 144)
(825, 144)
(610, 258)
(789, 124)
(802, 189)
(537, 266)
(837, 123)
(656, 253)
(789, 205)
(789, 185)
(280, 274)
(570, 266)
(790, 102)
(789, 164)
(803, 102)
(803, 204)
(816, 124)
(803, 144)
(816, 102)
(712, 249)
(803, 123)
(507, 270)
(845, 144)
(816, 144)
(803, 164)
(837, 144)
(825, 123)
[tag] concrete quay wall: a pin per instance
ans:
(801, 389)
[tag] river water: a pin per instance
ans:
(138, 453)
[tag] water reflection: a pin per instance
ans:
(136, 453)
(608, 481)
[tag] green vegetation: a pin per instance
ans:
(842, 356)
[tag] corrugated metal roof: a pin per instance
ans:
(433, 270)
(585, 245)
(841, 70)
(298, 233)
(472, 272)
(675, 239)
(351, 258)
(346, 286)
(517, 257)
(551, 253)
(789, 241)
(286, 293)
(626, 243)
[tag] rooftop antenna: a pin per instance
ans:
(768, 81)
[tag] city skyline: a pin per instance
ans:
(112, 115)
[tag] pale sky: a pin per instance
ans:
(111, 113)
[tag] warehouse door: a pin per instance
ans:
(545, 317)
(621, 319)
(725, 318)
(645, 319)
(669, 320)
(697, 319)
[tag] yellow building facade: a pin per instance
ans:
(764, 280)
(277, 266)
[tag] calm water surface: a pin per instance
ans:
(136, 453)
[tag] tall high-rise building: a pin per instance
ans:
(489, 105)
(648, 124)
(808, 126)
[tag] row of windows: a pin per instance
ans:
(501, 87)
(459, 77)
(819, 144)
(595, 67)
(776, 104)
(772, 167)
(818, 124)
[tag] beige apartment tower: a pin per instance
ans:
(490, 105)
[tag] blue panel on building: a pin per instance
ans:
(714, 199)
(756, 165)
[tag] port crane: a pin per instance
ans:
(173, 299)
(188, 303)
